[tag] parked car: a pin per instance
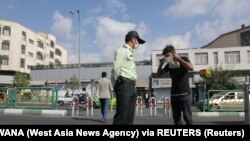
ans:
(230, 100)
(67, 99)
(223, 100)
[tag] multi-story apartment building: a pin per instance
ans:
(229, 51)
(22, 48)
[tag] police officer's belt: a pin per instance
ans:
(127, 80)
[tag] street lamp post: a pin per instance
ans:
(79, 47)
(0, 61)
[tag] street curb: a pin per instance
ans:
(33, 112)
(48, 112)
(218, 114)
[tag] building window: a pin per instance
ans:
(245, 38)
(248, 56)
(23, 36)
(158, 57)
(31, 41)
(5, 60)
(22, 63)
(23, 49)
(216, 59)
(40, 44)
(232, 57)
(51, 54)
(201, 58)
(183, 54)
(5, 45)
(39, 55)
(30, 54)
(30, 67)
(6, 31)
(51, 64)
(58, 62)
(58, 52)
(52, 44)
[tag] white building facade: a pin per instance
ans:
(235, 58)
(229, 51)
(22, 48)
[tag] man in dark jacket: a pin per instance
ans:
(178, 68)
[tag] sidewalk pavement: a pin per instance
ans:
(45, 112)
(146, 112)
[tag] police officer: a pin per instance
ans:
(124, 77)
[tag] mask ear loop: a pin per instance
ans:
(136, 46)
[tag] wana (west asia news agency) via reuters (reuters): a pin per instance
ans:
(129, 132)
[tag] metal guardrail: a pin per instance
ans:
(85, 65)
(3, 97)
(246, 103)
(29, 97)
(211, 104)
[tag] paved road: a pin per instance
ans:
(82, 119)
(87, 123)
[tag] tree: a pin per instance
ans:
(222, 79)
(73, 83)
(21, 80)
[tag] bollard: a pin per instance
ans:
(139, 105)
(89, 105)
(75, 105)
(167, 106)
(92, 106)
(246, 102)
(141, 108)
(152, 104)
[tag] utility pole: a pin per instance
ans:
(79, 47)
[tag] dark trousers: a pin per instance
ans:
(125, 106)
(182, 104)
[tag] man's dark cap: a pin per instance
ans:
(135, 34)
(167, 49)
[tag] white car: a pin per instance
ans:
(229, 100)
(65, 100)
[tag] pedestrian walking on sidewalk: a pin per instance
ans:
(105, 89)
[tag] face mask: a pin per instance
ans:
(174, 64)
(168, 59)
(136, 46)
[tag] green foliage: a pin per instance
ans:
(222, 79)
(21, 80)
(73, 83)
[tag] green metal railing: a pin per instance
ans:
(30, 98)
(3, 97)
(207, 97)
